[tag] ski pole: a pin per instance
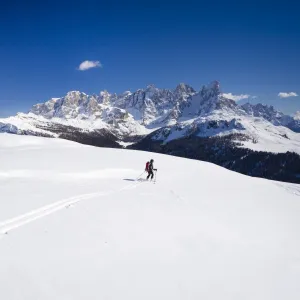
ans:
(140, 175)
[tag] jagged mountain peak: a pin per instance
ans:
(209, 99)
(72, 94)
(149, 105)
(267, 112)
(215, 85)
(105, 97)
(151, 87)
(259, 106)
(104, 93)
(211, 90)
(126, 93)
(182, 87)
(76, 92)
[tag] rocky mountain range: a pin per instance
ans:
(199, 124)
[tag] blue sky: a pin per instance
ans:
(252, 48)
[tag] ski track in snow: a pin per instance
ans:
(46, 210)
(291, 188)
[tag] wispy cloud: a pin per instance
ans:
(89, 64)
(236, 97)
(287, 95)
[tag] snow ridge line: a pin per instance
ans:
(41, 212)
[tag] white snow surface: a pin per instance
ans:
(74, 224)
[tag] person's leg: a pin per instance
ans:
(152, 174)
(149, 173)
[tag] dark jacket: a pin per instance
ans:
(151, 168)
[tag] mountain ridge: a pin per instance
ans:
(154, 115)
(146, 110)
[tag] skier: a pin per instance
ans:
(150, 169)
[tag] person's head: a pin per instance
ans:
(151, 160)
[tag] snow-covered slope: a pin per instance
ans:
(75, 225)
(260, 135)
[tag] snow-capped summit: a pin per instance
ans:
(151, 88)
(75, 104)
(152, 106)
(272, 115)
(183, 91)
(207, 100)
(105, 97)
(185, 88)
(75, 94)
(214, 86)
(268, 113)
(212, 99)
(45, 109)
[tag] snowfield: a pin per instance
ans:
(74, 224)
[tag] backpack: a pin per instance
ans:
(147, 166)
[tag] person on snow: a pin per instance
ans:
(150, 169)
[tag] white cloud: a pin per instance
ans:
(236, 97)
(287, 95)
(89, 64)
